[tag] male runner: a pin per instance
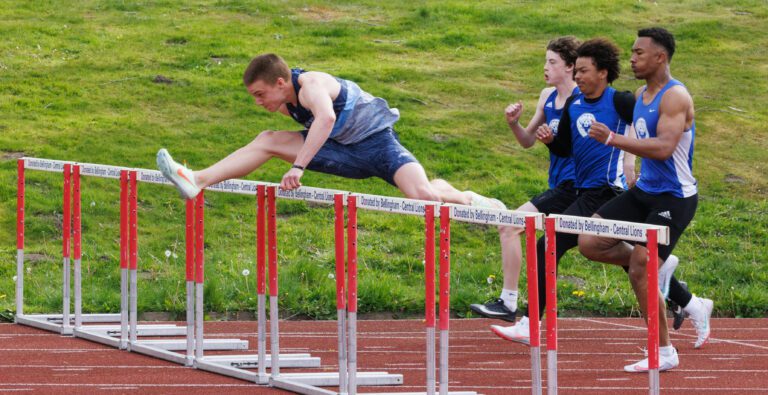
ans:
(598, 171)
(666, 193)
(348, 133)
(559, 62)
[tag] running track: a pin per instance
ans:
(591, 354)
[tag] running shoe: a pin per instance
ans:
(494, 309)
(484, 202)
(665, 363)
(178, 174)
(520, 332)
(701, 322)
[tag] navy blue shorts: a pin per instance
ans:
(557, 199)
(379, 155)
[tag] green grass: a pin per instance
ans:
(77, 83)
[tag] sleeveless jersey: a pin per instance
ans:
(560, 168)
(596, 164)
(675, 174)
(358, 113)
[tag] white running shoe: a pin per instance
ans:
(665, 363)
(179, 175)
(520, 332)
(484, 202)
(701, 322)
(666, 271)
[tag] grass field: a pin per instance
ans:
(112, 81)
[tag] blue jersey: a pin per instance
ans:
(358, 113)
(596, 165)
(560, 168)
(675, 174)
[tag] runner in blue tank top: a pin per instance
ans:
(349, 133)
(558, 74)
(666, 192)
(599, 170)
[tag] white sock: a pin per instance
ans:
(695, 308)
(510, 299)
(666, 351)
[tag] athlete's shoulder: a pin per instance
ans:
(676, 98)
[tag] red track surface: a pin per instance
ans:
(590, 360)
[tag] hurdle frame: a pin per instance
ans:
(652, 235)
(72, 254)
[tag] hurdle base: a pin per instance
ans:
(54, 322)
(332, 379)
(208, 344)
(166, 355)
(252, 361)
(97, 337)
(141, 330)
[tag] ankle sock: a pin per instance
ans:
(510, 299)
(666, 351)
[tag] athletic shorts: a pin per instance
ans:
(378, 155)
(557, 199)
(663, 209)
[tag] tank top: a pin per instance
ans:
(560, 168)
(675, 174)
(358, 113)
(596, 164)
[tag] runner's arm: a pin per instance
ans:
(672, 117)
(526, 137)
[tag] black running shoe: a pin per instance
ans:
(677, 312)
(495, 309)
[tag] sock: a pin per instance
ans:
(510, 299)
(666, 351)
(695, 308)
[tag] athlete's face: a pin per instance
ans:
(591, 81)
(555, 70)
(646, 58)
(269, 96)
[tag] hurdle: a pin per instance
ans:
(652, 235)
(64, 323)
(58, 323)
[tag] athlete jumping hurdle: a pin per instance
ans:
(349, 133)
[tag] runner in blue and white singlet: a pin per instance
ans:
(666, 193)
(560, 168)
(675, 174)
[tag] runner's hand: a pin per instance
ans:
(513, 112)
(291, 179)
(544, 134)
(599, 132)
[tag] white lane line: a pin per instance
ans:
(711, 339)
(615, 379)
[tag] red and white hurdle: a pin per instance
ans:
(348, 378)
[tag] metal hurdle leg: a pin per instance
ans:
(551, 268)
(77, 250)
(190, 279)
(533, 304)
(429, 299)
(20, 190)
(66, 230)
(653, 311)
(341, 305)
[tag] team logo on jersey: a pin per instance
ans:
(641, 128)
(584, 122)
(549, 104)
(553, 125)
